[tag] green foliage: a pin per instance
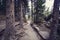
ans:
(39, 11)
(47, 12)
(40, 8)
(40, 3)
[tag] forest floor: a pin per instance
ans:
(30, 33)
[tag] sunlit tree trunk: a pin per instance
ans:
(54, 24)
(32, 1)
(10, 19)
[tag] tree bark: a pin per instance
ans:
(10, 20)
(54, 24)
(20, 11)
(24, 13)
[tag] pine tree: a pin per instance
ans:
(10, 20)
(54, 24)
(39, 10)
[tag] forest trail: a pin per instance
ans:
(30, 33)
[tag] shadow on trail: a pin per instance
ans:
(37, 31)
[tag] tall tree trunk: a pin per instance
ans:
(54, 24)
(32, 10)
(24, 13)
(20, 8)
(10, 19)
(20, 30)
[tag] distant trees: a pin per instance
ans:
(2, 7)
(39, 10)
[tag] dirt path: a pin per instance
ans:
(30, 33)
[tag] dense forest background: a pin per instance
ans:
(29, 19)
